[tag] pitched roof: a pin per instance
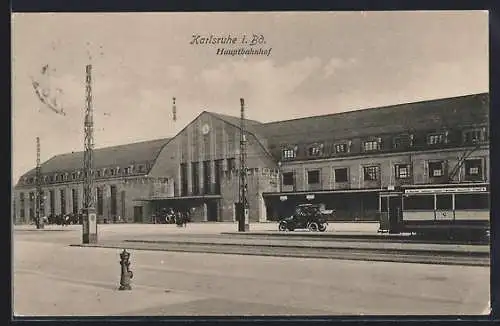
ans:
(121, 155)
(448, 112)
(250, 127)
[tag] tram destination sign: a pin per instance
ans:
(444, 190)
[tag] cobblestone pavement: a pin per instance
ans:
(51, 278)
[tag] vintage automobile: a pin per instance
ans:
(306, 216)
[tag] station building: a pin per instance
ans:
(342, 161)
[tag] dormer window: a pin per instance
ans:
(98, 173)
(341, 148)
(289, 153)
(402, 141)
(112, 172)
(474, 136)
(315, 150)
(436, 138)
(372, 145)
(73, 176)
(141, 168)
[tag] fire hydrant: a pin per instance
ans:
(126, 274)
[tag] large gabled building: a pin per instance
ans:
(340, 160)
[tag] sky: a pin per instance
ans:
(319, 63)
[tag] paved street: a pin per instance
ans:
(52, 278)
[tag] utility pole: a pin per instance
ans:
(89, 213)
(243, 222)
(39, 193)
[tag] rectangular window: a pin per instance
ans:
(289, 153)
(207, 177)
(52, 202)
(231, 164)
(436, 169)
(371, 145)
(402, 141)
(444, 202)
(313, 177)
(435, 139)
(62, 196)
(340, 148)
(100, 201)
(114, 204)
(74, 196)
(21, 202)
(341, 175)
(99, 173)
(473, 168)
(402, 171)
(288, 179)
(218, 173)
(184, 180)
(473, 136)
(73, 176)
(195, 181)
(420, 202)
(371, 173)
(472, 201)
(315, 150)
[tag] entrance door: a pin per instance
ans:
(137, 214)
(212, 213)
(394, 212)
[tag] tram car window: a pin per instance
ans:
(472, 201)
(444, 202)
(419, 202)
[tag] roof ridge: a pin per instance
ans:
(391, 106)
(222, 115)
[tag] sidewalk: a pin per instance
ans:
(205, 227)
(38, 294)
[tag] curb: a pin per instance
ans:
(352, 236)
(343, 248)
(332, 255)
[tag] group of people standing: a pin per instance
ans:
(170, 216)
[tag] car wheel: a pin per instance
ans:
(322, 227)
(313, 226)
(282, 226)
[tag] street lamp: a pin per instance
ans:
(280, 181)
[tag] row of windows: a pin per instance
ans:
(436, 169)
(446, 202)
(469, 137)
(78, 175)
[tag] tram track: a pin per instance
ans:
(422, 256)
(387, 238)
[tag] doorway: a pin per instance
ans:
(137, 214)
(394, 212)
(212, 211)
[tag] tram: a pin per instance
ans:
(446, 210)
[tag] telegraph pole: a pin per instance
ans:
(89, 214)
(243, 222)
(39, 193)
